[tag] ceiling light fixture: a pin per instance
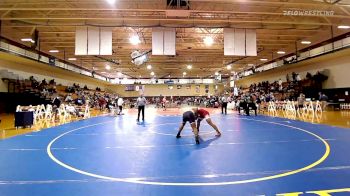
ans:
(27, 40)
(152, 73)
(111, 1)
(54, 51)
(149, 66)
(134, 40)
(184, 73)
(208, 40)
(72, 59)
(263, 59)
(343, 27)
(108, 67)
(281, 52)
(229, 67)
(216, 73)
(189, 66)
(305, 42)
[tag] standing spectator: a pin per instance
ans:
(141, 103)
(298, 78)
(287, 78)
(301, 100)
(120, 103)
(324, 99)
(224, 104)
(110, 104)
(56, 104)
(280, 87)
(102, 103)
(294, 77)
(235, 91)
(157, 102)
(164, 103)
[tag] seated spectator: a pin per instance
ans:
(43, 82)
(68, 98)
(57, 101)
(71, 110)
(250, 104)
(79, 102)
(52, 89)
(44, 92)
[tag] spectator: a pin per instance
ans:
(301, 100)
(43, 82)
(324, 99)
(120, 103)
(280, 88)
(57, 102)
(52, 82)
(68, 98)
(164, 101)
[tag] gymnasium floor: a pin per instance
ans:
(109, 155)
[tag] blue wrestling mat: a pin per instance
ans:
(108, 155)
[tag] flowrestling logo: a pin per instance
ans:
(308, 13)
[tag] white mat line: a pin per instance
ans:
(163, 146)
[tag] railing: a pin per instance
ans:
(163, 81)
(41, 57)
(337, 45)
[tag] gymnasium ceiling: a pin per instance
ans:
(56, 21)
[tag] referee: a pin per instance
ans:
(141, 103)
(224, 104)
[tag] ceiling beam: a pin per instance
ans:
(163, 11)
(190, 20)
